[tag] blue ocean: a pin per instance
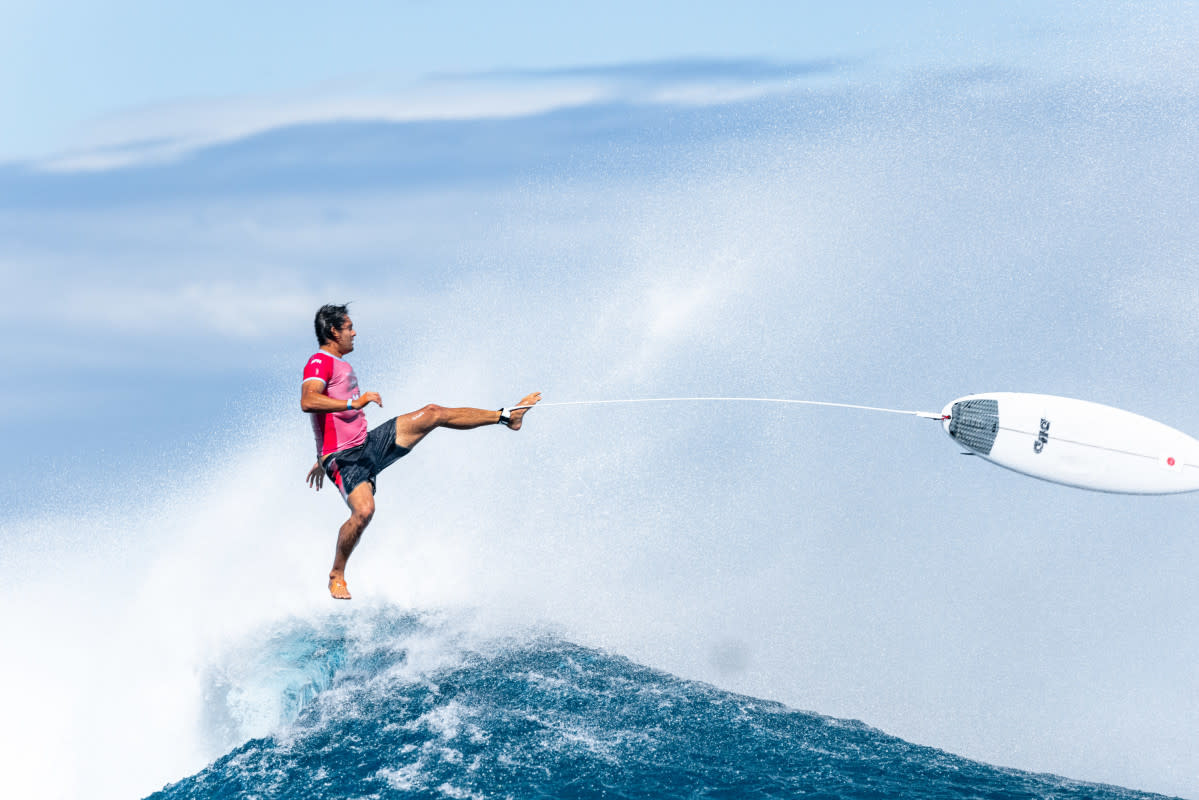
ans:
(385, 703)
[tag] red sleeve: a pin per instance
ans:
(319, 366)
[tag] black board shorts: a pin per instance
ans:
(348, 468)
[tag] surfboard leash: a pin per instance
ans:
(922, 414)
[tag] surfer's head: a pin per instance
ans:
(333, 326)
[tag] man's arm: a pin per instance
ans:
(313, 398)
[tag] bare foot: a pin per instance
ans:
(519, 414)
(337, 587)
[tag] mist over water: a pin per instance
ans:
(896, 246)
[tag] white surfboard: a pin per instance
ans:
(1075, 442)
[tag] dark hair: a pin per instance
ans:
(328, 319)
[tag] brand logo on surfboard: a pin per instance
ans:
(1042, 437)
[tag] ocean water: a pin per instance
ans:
(387, 703)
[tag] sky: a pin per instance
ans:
(885, 204)
(71, 70)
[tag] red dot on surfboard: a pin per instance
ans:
(1170, 461)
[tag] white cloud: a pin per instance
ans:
(223, 309)
(164, 133)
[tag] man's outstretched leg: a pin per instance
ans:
(362, 508)
(411, 428)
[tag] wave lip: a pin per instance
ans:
(543, 717)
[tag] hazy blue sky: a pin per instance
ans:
(67, 69)
(887, 204)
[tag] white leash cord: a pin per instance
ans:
(921, 414)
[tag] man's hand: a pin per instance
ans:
(362, 400)
(316, 476)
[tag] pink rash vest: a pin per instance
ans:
(335, 430)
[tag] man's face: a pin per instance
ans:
(344, 336)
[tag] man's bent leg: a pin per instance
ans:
(362, 508)
(411, 428)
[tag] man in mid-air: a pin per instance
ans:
(350, 454)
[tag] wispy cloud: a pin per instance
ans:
(672, 71)
(227, 310)
(164, 133)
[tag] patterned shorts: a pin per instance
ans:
(348, 468)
